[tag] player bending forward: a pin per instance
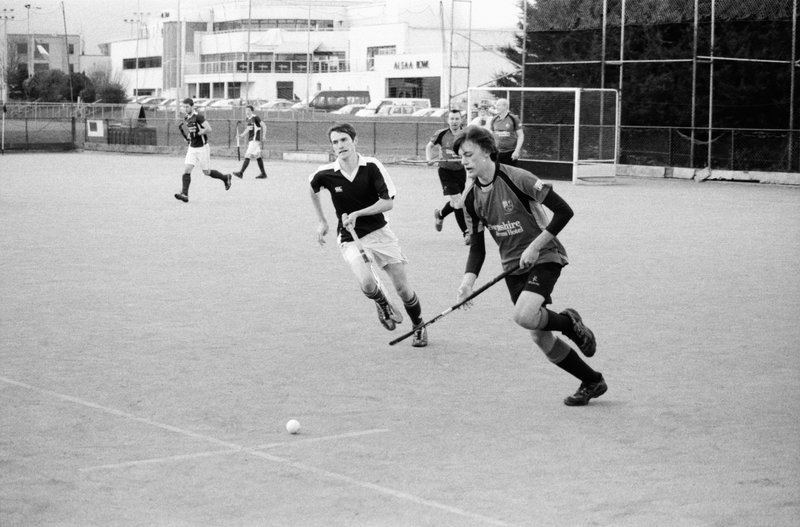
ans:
(361, 191)
(508, 201)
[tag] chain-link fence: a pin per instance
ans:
(731, 149)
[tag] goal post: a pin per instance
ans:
(570, 133)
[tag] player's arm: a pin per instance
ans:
(322, 226)
(429, 153)
(203, 127)
(477, 251)
(380, 206)
(562, 213)
(520, 139)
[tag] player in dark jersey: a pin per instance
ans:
(451, 173)
(510, 203)
(198, 153)
(508, 133)
(255, 130)
(361, 191)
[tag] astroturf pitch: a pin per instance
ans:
(152, 351)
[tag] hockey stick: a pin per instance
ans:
(238, 148)
(452, 308)
(374, 270)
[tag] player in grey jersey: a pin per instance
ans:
(509, 202)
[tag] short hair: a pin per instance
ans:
(251, 107)
(344, 128)
(478, 135)
(188, 101)
(455, 110)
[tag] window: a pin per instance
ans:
(378, 50)
(40, 66)
(71, 49)
(234, 90)
(285, 90)
(22, 48)
(42, 51)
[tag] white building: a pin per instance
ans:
(412, 48)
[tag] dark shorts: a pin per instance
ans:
(505, 158)
(453, 181)
(540, 280)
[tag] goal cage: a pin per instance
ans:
(570, 133)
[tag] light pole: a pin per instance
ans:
(31, 43)
(5, 17)
(138, 23)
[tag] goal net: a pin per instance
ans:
(570, 133)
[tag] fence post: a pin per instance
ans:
(73, 132)
(416, 140)
(27, 139)
(733, 150)
(374, 138)
(297, 136)
(669, 146)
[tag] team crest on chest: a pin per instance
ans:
(508, 206)
(338, 189)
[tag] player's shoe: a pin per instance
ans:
(420, 337)
(467, 238)
(437, 214)
(228, 180)
(385, 315)
(182, 197)
(262, 175)
(581, 334)
(237, 174)
(587, 391)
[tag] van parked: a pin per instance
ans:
(329, 100)
(394, 106)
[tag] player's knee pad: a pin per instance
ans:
(531, 319)
(557, 352)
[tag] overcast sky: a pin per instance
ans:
(104, 20)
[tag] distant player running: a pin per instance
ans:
(255, 130)
(198, 153)
(451, 173)
(509, 202)
(361, 191)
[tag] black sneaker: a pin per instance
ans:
(586, 392)
(437, 215)
(228, 180)
(182, 197)
(237, 174)
(420, 337)
(262, 175)
(582, 335)
(385, 315)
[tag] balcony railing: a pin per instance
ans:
(276, 66)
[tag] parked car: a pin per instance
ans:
(376, 107)
(279, 105)
(226, 103)
(167, 105)
(329, 100)
(431, 112)
(151, 103)
(349, 109)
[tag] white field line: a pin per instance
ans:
(233, 447)
(246, 450)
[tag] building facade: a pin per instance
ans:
(43, 52)
(292, 50)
